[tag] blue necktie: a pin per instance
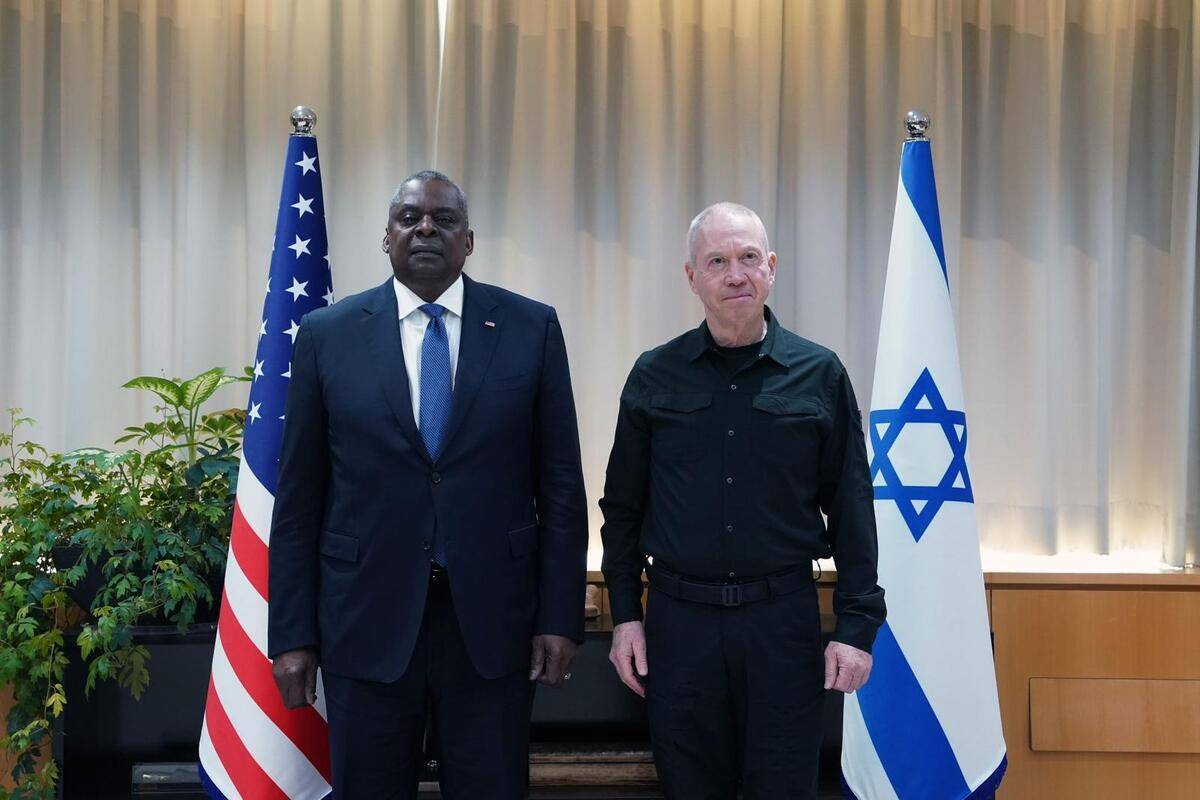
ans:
(435, 395)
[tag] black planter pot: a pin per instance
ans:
(107, 733)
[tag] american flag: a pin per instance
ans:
(251, 746)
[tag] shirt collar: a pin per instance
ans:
(772, 345)
(407, 302)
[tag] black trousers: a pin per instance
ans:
(376, 729)
(735, 696)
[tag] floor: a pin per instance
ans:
(113, 782)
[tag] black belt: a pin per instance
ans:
(728, 594)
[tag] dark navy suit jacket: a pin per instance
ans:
(358, 496)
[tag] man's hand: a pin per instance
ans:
(628, 654)
(295, 674)
(846, 668)
(550, 659)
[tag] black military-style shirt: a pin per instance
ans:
(722, 464)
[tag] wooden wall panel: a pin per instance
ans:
(1079, 633)
(1114, 715)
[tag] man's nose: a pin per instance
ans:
(425, 226)
(735, 275)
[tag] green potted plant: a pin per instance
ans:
(147, 527)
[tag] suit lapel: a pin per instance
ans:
(475, 348)
(381, 326)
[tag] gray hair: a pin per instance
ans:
(431, 175)
(724, 207)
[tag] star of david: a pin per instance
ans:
(919, 505)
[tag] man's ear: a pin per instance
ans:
(384, 244)
(691, 276)
(470, 241)
(771, 262)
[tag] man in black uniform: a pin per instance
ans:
(731, 442)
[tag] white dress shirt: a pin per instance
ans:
(413, 322)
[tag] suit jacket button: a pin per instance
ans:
(436, 477)
(426, 545)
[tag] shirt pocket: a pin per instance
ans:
(787, 430)
(679, 425)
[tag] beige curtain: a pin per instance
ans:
(1065, 138)
(140, 163)
(141, 154)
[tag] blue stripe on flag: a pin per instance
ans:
(916, 170)
(984, 791)
(906, 733)
(209, 787)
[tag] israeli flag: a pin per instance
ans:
(927, 723)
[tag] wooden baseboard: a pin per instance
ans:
(591, 765)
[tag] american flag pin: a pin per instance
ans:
(489, 323)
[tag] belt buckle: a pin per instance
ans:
(731, 595)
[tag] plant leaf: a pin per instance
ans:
(38, 588)
(168, 390)
(85, 454)
(56, 700)
(195, 391)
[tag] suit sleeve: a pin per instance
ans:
(559, 493)
(847, 499)
(299, 507)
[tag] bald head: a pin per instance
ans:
(720, 212)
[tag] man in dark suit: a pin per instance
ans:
(429, 537)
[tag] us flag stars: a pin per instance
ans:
(300, 246)
(307, 163)
(299, 282)
(297, 289)
(304, 206)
